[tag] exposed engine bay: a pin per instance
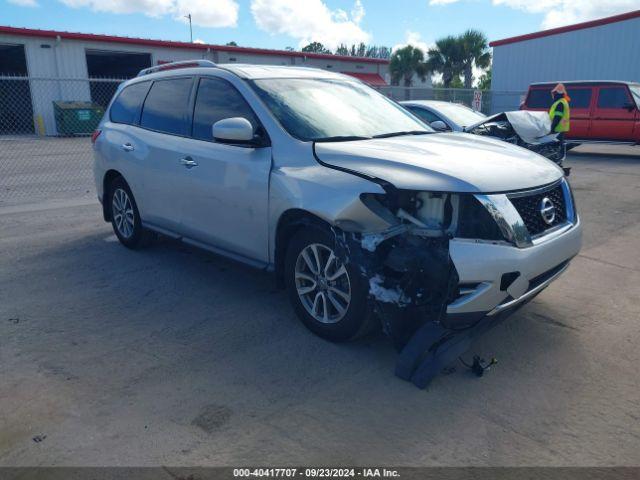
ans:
(525, 129)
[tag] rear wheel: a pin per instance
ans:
(328, 295)
(125, 217)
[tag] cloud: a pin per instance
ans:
(414, 38)
(204, 13)
(558, 13)
(310, 21)
(24, 3)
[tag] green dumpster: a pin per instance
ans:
(76, 118)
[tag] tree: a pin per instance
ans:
(232, 44)
(475, 51)
(363, 50)
(405, 63)
(316, 47)
(485, 80)
(446, 58)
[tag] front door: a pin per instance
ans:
(225, 188)
(614, 115)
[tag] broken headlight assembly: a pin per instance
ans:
(435, 214)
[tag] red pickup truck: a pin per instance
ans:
(601, 111)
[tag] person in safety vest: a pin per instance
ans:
(559, 111)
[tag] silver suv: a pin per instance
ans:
(363, 212)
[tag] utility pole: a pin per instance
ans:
(190, 29)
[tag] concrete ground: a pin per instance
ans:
(176, 357)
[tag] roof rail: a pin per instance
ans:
(176, 65)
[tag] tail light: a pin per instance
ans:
(95, 135)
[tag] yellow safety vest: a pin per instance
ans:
(563, 126)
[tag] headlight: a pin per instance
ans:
(438, 214)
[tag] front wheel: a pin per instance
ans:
(328, 295)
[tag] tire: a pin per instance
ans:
(325, 319)
(125, 218)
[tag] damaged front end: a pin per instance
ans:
(525, 129)
(411, 276)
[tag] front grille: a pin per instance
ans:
(528, 206)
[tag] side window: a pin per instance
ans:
(539, 98)
(613, 97)
(580, 97)
(425, 115)
(217, 99)
(166, 108)
(126, 108)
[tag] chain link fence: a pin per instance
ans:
(490, 101)
(45, 125)
(45, 129)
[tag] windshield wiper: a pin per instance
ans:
(340, 138)
(398, 134)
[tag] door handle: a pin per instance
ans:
(188, 162)
(127, 147)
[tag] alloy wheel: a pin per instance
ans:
(322, 283)
(122, 211)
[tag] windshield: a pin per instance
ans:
(327, 109)
(635, 91)
(460, 114)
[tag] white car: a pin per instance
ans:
(363, 212)
(524, 128)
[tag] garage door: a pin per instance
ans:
(103, 64)
(16, 110)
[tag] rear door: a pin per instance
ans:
(580, 107)
(163, 134)
(224, 189)
(614, 114)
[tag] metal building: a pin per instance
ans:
(38, 67)
(603, 49)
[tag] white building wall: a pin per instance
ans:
(49, 60)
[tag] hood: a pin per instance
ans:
(532, 127)
(443, 162)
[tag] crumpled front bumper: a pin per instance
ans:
(495, 277)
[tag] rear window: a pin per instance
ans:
(126, 108)
(539, 98)
(580, 97)
(613, 97)
(166, 107)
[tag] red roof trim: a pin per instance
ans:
(30, 32)
(368, 78)
(569, 28)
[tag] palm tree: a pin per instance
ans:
(446, 58)
(405, 63)
(475, 50)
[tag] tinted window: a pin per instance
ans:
(167, 105)
(539, 98)
(580, 97)
(126, 108)
(216, 100)
(425, 115)
(613, 97)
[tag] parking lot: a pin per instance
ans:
(172, 356)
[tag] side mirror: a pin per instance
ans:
(439, 126)
(235, 129)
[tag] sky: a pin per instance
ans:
(294, 23)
